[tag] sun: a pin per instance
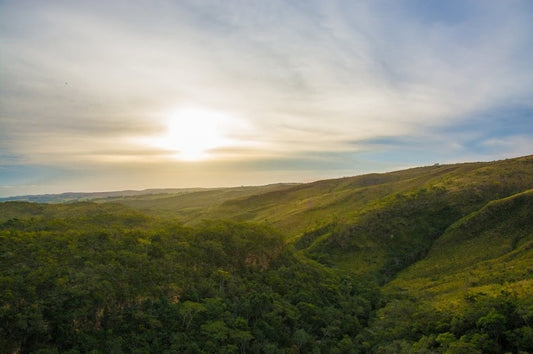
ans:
(194, 132)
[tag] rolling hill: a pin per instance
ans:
(442, 255)
(298, 208)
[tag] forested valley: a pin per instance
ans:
(436, 259)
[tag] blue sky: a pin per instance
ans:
(110, 95)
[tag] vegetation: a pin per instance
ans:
(474, 288)
(70, 284)
(435, 259)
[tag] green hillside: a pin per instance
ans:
(300, 208)
(473, 290)
(487, 249)
(426, 260)
(377, 223)
(190, 205)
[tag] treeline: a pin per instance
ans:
(116, 283)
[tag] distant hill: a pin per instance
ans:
(145, 194)
(77, 197)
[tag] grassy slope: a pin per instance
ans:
(366, 224)
(485, 252)
(190, 205)
(399, 229)
(296, 209)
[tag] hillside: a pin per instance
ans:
(296, 209)
(191, 205)
(473, 290)
(493, 245)
(394, 216)
(429, 259)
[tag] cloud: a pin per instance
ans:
(86, 81)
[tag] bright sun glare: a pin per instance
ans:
(193, 132)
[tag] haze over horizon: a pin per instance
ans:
(113, 95)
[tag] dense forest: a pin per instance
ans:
(436, 259)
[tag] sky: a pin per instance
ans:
(113, 95)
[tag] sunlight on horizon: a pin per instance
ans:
(193, 133)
